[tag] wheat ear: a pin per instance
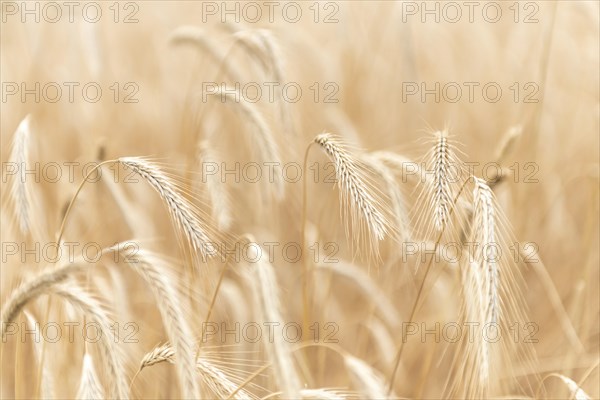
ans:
(212, 376)
(21, 194)
(154, 271)
(263, 141)
(366, 213)
(480, 284)
(436, 200)
(182, 211)
(159, 354)
(442, 193)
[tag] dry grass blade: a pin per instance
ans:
(480, 286)
(89, 385)
(183, 212)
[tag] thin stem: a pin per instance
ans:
(417, 300)
(213, 300)
(305, 305)
(64, 221)
(60, 234)
(248, 380)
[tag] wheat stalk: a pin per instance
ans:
(32, 288)
(481, 304)
(394, 194)
(436, 200)
(484, 236)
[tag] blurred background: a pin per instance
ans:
(104, 80)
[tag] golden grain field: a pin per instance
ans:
(300, 199)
